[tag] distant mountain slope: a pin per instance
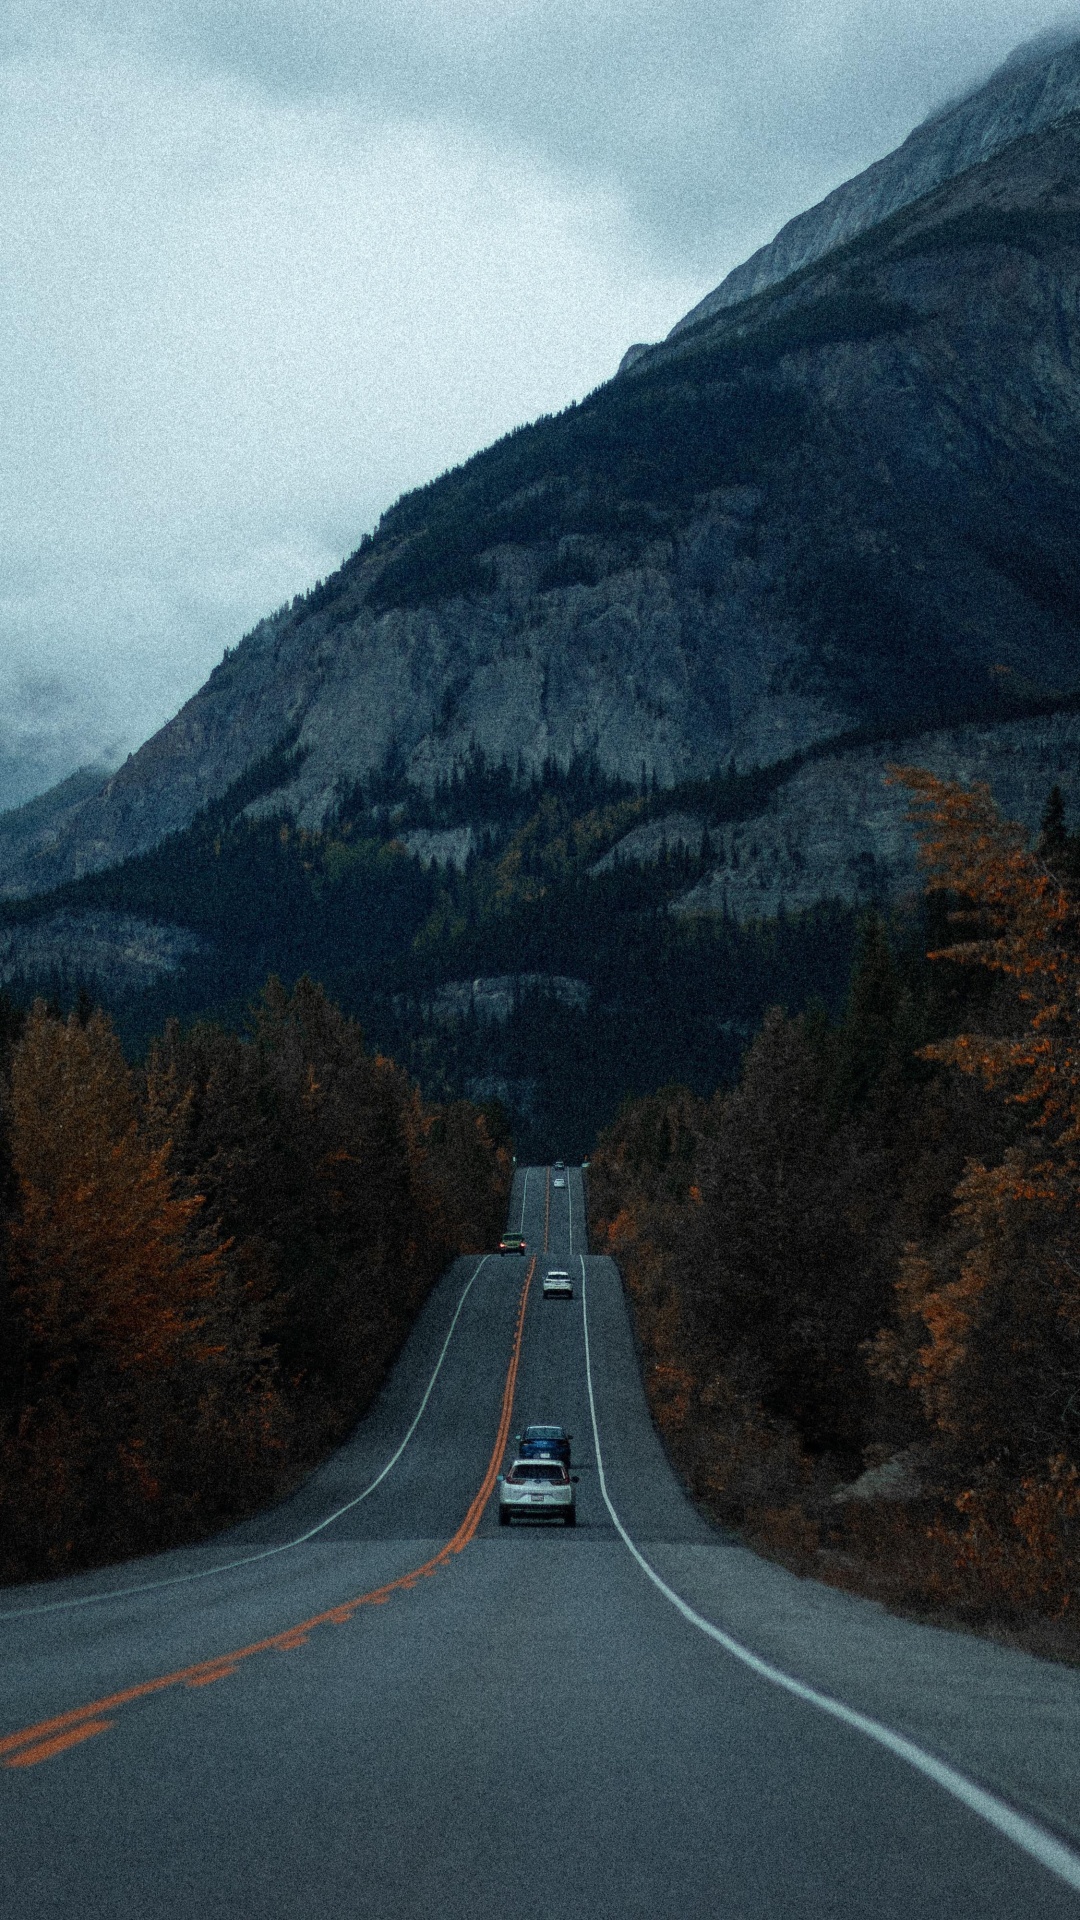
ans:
(29, 831)
(852, 501)
(595, 939)
(1038, 85)
(839, 830)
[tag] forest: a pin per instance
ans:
(207, 1263)
(856, 1274)
(668, 998)
(847, 1222)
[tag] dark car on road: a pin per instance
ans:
(512, 1243)
(544, 1443)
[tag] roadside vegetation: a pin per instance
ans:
(207, 1263)
(856, 1275)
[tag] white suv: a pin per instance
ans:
(537, 1490)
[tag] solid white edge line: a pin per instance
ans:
(267, 1553)
(1034, 1840)
(524, 1197)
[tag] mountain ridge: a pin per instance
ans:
(1036, 86)
(849, 500)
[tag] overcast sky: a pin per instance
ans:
(266, 263)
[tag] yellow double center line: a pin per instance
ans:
(49, 1737)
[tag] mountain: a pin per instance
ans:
(837, 828)
(1038, 85)
(29, 831)
(580, 762)
(848, 502)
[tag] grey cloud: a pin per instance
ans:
(47, 727)
(266, 262)
(714, 122)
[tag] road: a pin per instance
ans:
(377, 1702)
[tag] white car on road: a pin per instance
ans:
(558, 1284)
(537, 1490)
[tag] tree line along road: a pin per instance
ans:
(374, 1701)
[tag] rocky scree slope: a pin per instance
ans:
(850, 502)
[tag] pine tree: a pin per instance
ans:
(1052, 834)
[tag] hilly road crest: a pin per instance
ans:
(373, 1701)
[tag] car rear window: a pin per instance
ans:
(549, 1472)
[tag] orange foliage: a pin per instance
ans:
(1019, 1548)
(988, 1315)
(621, 1231)
(101, 1251)
(760, 1236)
(990, 1286)
(1022, 923)
(210, 1265)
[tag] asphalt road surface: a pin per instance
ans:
(375, 1701)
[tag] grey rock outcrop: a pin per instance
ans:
(494, 997)
(639, 670)
(1036, 87)
(838, 830)
(895, 1479)
(440, 847)
(115, 951)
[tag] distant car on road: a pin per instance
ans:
(559, 1180)
(512, 1243)
(538, 1443)
(558, 1285)
(537, 1490)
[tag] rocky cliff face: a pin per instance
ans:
(494, 997)
(115, 951)
(851, 502)
(839, 829)
(1036, 87)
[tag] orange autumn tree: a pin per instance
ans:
(120, 1295)
(101, 1254)
(988, 1332)
(207, 1266)
(1016, 918)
